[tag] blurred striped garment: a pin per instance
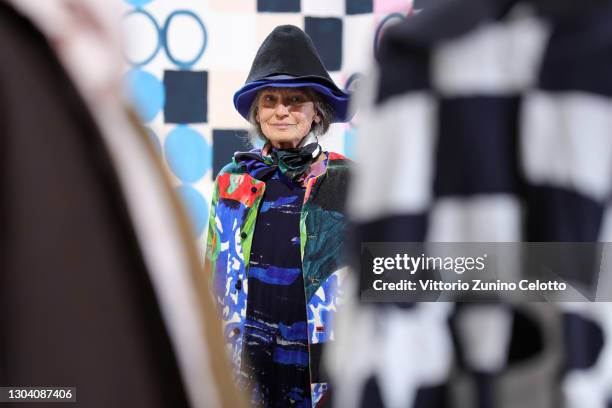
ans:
(484, 121)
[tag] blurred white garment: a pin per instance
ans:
(85, 37)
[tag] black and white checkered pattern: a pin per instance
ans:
(484, 120)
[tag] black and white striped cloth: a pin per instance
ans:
(484, 121)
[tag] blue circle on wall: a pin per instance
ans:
(386, 22)
(352, 82)
(196, 206)
(351, 86)
(138, 3)
(158, 32)
(184, 64)
(188, 153)
(350, 136)
(146, 92)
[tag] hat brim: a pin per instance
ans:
(339, 101)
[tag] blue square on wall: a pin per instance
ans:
(186, 96)
(358, 6)
(225, 143)
(278, 6)
(326, 33)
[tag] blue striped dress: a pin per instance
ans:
(275, 348)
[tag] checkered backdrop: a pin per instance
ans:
(187, 58)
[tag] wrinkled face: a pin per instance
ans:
(285, 116)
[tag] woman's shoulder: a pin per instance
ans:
(337, 156)
(231, 168)
(337, 160)
(338, 167)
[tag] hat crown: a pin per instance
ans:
(287, 58)
(287, 50)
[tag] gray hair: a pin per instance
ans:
(321, 106)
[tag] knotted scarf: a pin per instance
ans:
(293, 163)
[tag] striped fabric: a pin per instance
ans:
(484, 121)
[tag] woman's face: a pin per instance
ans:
(285, 116)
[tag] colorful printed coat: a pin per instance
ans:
(235, 205)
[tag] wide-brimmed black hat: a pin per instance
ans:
(288, 58)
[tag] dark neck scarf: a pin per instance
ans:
(293, 163)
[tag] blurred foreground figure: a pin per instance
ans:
(489, 121)
(100, 286)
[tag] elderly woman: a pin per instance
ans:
(276, 226)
